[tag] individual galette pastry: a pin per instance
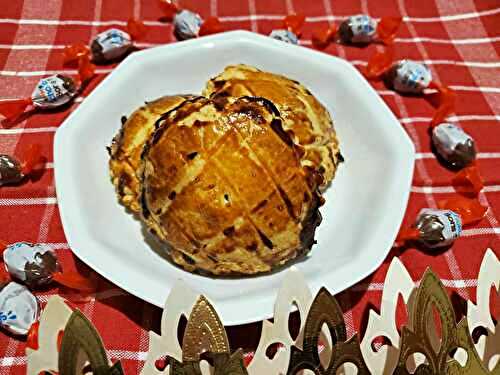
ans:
(223, 187)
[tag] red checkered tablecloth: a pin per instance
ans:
(458, 39)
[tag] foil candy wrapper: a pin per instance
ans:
(50, 92)
(13, 170)
(359, 28)
(19, 308)
(284, 36)
(35, 266)
(110, 45)
(32, 264)
(10, 170)
(454, 145)
(53, 91)
(408, 76)
(187, 25)
(106, 46)
(438, 228)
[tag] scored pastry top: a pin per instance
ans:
(305, 119)
(126, 147)
(223, 185)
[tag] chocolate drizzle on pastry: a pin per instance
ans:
(304, 118)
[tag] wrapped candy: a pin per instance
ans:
(19, 308)
(36, 266)
(284, 36)
(291, 31)
(50, 92)
(362, 29)
(13, 171)
(436, 228)
(410, 77)
(107, 46)
(358, 29)
(454, 145)
(188, 24)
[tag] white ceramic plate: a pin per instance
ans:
(364, 206)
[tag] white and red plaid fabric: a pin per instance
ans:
(458, 39)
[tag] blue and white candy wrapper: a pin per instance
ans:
(454, 145)
(53, 91)
(19, 308)
(438, 228)
(187, 25)
(359, 28)
(30, 263)
(410, 77)
(284, 36)
(110, 45)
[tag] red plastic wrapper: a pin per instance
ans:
(322, 37)
(294, 23)
(50, 92)
(210, 26)
(468, 181)
(136, 29)
(14, 170)
(470, 210)
(359, 29)
(387, 29)
(169, 9)
(32, 339)
(36, 266)
(444, 102)
(411, 77)
(4, 275)
(107, 46)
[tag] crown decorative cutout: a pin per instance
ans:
(432, 342)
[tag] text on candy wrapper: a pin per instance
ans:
(49, 90)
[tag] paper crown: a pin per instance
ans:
(321, 347)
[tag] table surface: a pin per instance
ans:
(458, 39)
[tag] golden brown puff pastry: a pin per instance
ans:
(126, 147)
(222, 185)
(305, 118)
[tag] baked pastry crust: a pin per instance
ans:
(305, 119)
(126, 147)
(223, 186)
